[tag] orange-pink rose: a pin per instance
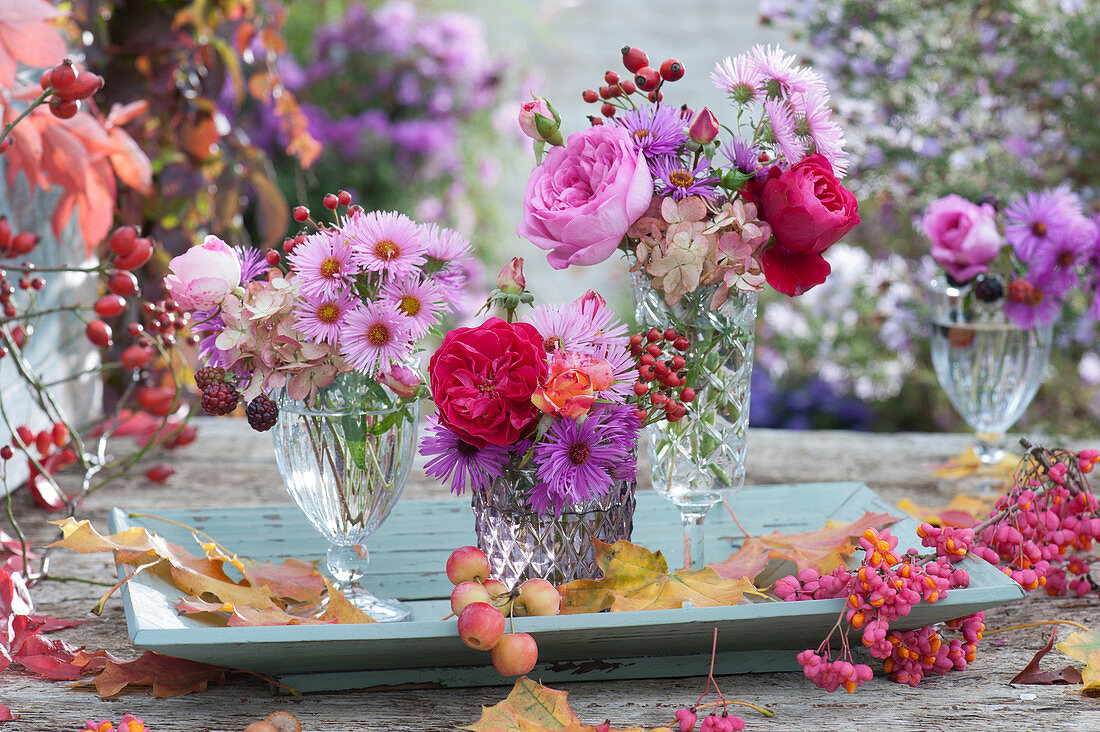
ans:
(570, 389)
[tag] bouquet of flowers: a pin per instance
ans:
(557, 393)
(688, 208)
(1052, 249)
(359, 295)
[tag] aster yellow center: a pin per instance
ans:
(387, 250)
(681, 178)
(410, 305)
(553, 343)
(330, 267)
(378, 335)
(641, 135)
(1039, 228)
(328, 313)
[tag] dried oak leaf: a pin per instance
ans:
(823, 550)
(1085, 647)
(635, 578)
(167, 676)
(1032, 675)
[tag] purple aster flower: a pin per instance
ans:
(1057, 259)
(376, 336)
(743, 155)
(253, 263)
(674, 178)
(655, 132)
(1032, 303)
(618, 425)
(460, 463)
(1037, 219)
(574, 460)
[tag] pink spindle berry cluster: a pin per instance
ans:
(1039, 532)
(831, 675)
(916, 653)
(884, 588)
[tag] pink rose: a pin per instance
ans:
(570, 390)
(540, 121)
(809, 211)
(201, 277)
(582, 199)
(964, 236)
(402, 380)
(482, 380)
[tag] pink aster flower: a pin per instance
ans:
(563, 326)
(323, 264)
(387, 241)
(322, 319)
(738, 77)
(784, 130)
(420, 302)
(446, 245)
(1032, 304)
(815, 119)
(780, 74)
(1058, 260)
(375, 337)
(1035, 220)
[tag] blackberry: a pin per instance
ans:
(989, 289)
(262, 413)
(207, 376)
(220, 399)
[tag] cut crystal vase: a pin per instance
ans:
(700, 460)
(345, 461)
(521, 544)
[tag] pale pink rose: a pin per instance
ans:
(582, 199)
(529, 122)
(202, 276)
(964, 236)
(402, 380)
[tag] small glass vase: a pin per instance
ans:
(521, 544)
(345, 461)
(989, 367)
(700, 460)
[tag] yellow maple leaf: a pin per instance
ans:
(532, 707)
(963, 511)
(967, 465)
(635, 578)
(1085, 647)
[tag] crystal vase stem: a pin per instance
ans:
(694, 534)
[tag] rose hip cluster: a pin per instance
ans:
(481, 603)
(1041, 531)
(661, 391)
(882, 590)
(644, 78)
(66, 86)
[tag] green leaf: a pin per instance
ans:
(355, 437)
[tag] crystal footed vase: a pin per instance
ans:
(345, 462)
(700, 460)
(521, 544)
(989, 367)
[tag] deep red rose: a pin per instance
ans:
(482, 380)
(809, 211)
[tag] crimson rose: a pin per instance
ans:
(482, 380)
(809, 211)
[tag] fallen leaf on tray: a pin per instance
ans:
(532, 707)
(264, 595)
(962, 512)
(823, 550)
(967, 465)
(5, 713)
(1085, 647)
(1032, 675)
(635, 578)
(167, 676)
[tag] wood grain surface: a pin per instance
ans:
(229, 465)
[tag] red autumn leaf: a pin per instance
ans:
(1032, 675)
(243, 616)
(823, 550)
(293, 579)
(168, 677)
(49, 625)
(5, 714)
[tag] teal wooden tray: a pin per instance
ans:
(408, 554)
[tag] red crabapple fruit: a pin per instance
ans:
(480, 626)
(467, 564)
(537, 597)
(515, 654)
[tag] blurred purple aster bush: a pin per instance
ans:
(989, 102)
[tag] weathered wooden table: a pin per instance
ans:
(229, 465)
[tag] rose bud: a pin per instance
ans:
(511, 279)
(540, 121)
(704, 128)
